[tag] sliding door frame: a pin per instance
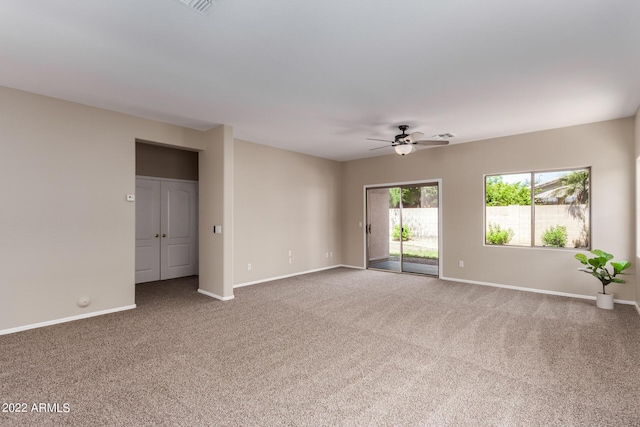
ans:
(437, 181)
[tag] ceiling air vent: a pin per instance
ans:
(444, 135)
(200, 6)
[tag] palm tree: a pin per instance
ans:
(575, 184)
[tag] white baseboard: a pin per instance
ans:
(637, 308)
(356, 267)
(218, 297)
(240, 285)
(538, 291)
(65, 319)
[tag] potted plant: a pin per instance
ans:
(597, 267)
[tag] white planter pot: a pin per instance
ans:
(604, 301)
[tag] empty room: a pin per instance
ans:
(234, 212)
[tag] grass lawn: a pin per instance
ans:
(417, 253)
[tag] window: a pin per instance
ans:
(543, 209)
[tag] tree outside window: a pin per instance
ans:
(558, 217)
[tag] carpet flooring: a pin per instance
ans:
(338, 347)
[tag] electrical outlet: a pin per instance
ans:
(327, 255)
(248, 266)
(461, 264)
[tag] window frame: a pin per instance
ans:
(532, 173)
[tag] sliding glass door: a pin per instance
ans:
(402, 228)
(383, 252)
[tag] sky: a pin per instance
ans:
(539, 177)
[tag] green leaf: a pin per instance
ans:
(582, 258)
(602, 254)
(619, 267)
(597, 262)
(597, 266)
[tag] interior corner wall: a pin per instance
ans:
(67, 229)
(216, 209)
(284, 201)
(637, 184)
(607, 147)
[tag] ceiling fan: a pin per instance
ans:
(405, 143)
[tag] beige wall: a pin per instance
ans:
(166, 162)
(637, 183)
(284, 201)
(69, 233)
(608, 147)
(216, 208)
(67, 230)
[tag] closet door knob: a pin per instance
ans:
(156, 235)
(164, 235)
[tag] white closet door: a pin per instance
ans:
(147, 230)
(179, 239)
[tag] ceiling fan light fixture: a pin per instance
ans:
(406, 143)
(404, 149)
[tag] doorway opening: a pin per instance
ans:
(403, 228)
(166, 213)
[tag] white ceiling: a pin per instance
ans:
(318, 77)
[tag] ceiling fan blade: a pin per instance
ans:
(384, 146)
(383, 140)
(433, 142)
(415, 136)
